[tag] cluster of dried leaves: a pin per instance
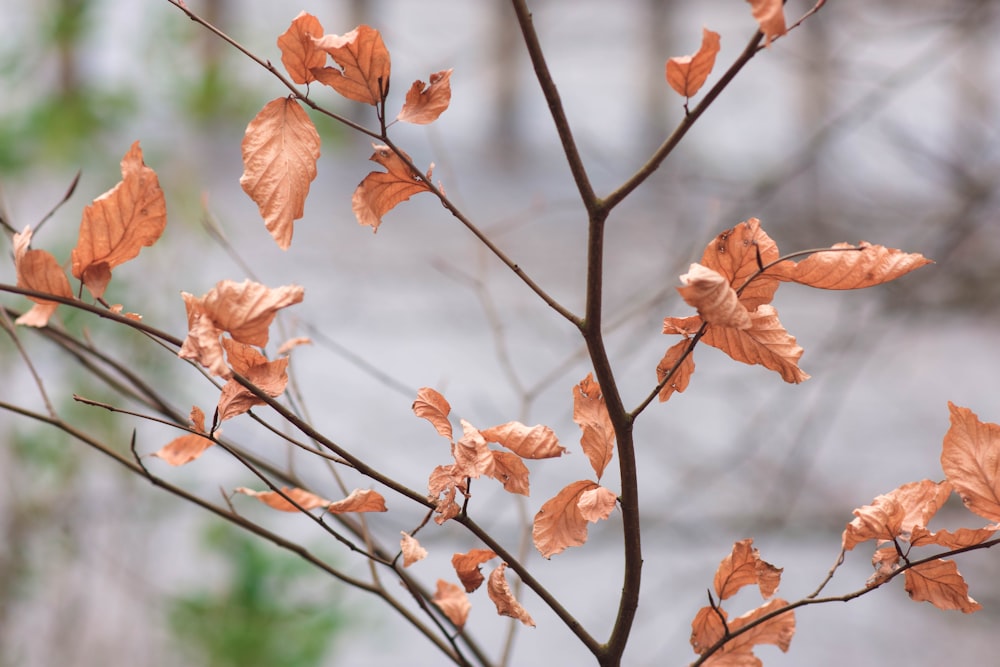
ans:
(281, 144)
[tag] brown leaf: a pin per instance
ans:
(687, 74)
(425, 102)
(381, 191)
(716, 301)
(684, 326)
(467, 567)
(940, 583)
(453, 602)
(707, 628)
(530, 442)
(38, 270)
(682, 376)
(433, 407)
(596, 504)
(245, 310)
(359, 500)
(499, 591)
(188, 447)
(842, 269)
(766, 343)
(885, 560)
(119, 223)
(447, 481)
(472, 457)
(970, 459)
(303, 498)
(363, 65)
(734, 254)
(770, 14)
(777, 631)
(269, 376)
(559, 523)
(744, 567)
(882, 520)
(959, 539)
(299, 53)
(280, 149)
(411, 549)
(509, 470)
(591, 414)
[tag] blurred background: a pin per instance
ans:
(873, 121)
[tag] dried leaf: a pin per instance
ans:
(596, 504)
(453, 602)
(119, 223)
(381, 191)
(411, 549)
(303, 498)
(766, 343)
(770, 15)
(591, 414)
(738, 254)
(684, 326)
(425, 102)
(433, 407)
(842, 269)
(886, 562)
(687, 74)
(940, 583)
(882, 520)
(447, 481)
(269, 376)
(280, 150)
(530, 442)
(359, 500)
(245, 310)
(38, 270)
(467, 567)
(959, 539)
(716, 301)
(299, 53)
(499, 591)
(707, 628)
(559, 523)
(744, 567)
(363, 65)
(682, 376)
(970, 459)
(777, 631)
(188, 447)
(509, 470)
(472, 457)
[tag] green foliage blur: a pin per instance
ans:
(261, 615)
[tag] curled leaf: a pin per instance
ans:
(433, 407)
(738, 254)
(744, 567)
(363, 65)
(412, 551)
(38, 270)
(716, 301)
(682, 376)
(846, 266)
(453, 602)
(560, 523)
(467, 567)
(306, 500)
(280, 150)
(766, 343)
(381, 191)
(119, 223)
(687, 74)
(499, 591)
(770, 15)
(187, 447)
(425, 102)
(591, 414)
(472, 456)
(299, 53)
(509, 470)
(269, 376)
(530, 442)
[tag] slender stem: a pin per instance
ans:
(689, 120)
(556, 110)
